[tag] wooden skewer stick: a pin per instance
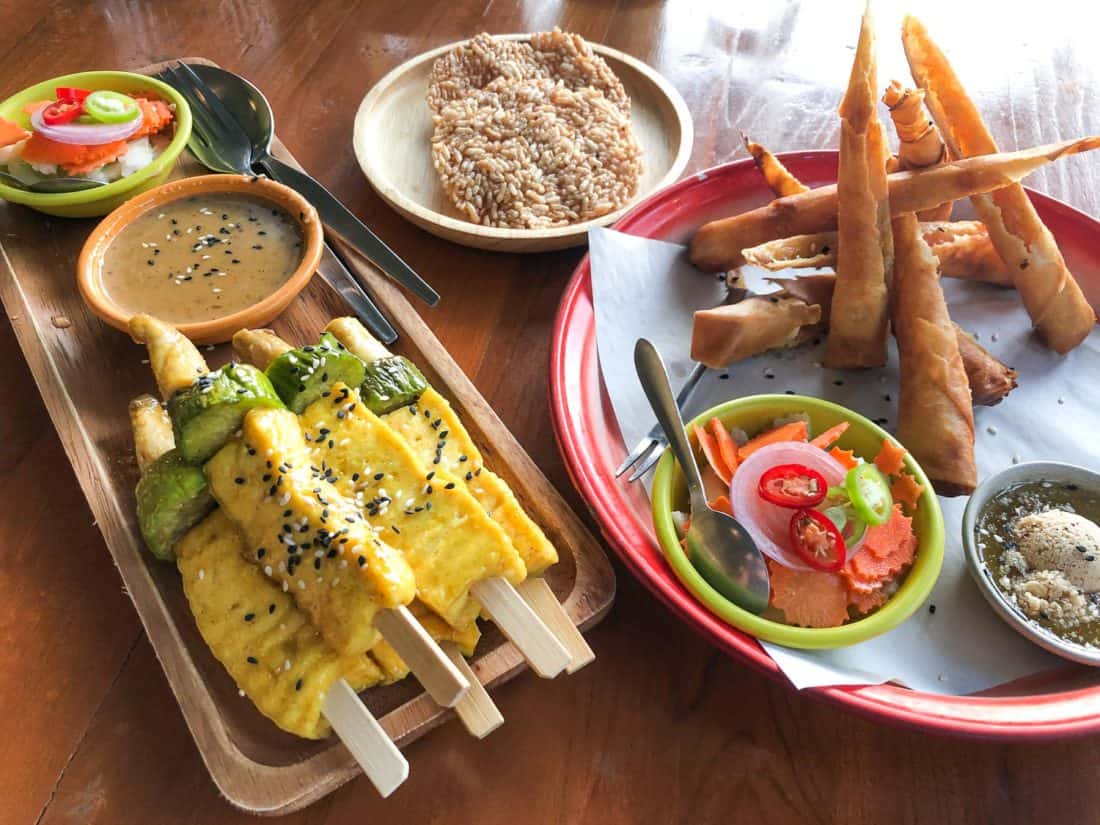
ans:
(175, 362)
(435, 671)
(353, 723)
(516, 620)
(476, 709)
(537, 593)
(363, 736)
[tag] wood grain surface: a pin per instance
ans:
(661, 728)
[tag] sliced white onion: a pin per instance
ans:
(767, 523)
(85, 134)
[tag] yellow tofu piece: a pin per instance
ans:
(446, 537)
(303, 534)
(259, 634)
(437, 436)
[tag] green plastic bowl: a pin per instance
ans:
(101, 200)
(754, 414)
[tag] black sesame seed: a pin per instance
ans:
(839, 382)
(931, 608)
(450, 485)
(462, 458)
(362, 561)
(252, 660)
(271, 608)
(261, 552)
(724, 376)
(379, 476)
(238, 480)
(249, 616)
(298, 685)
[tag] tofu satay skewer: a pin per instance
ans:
(430, 426)
(455, 549)
(299, 530)
(263, 639)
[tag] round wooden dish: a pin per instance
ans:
(392, 141)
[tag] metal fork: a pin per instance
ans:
(649, 450)
(222, 148)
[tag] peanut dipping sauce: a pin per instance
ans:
(202, 257)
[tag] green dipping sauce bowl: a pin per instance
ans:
(89, 203)
(754, 414)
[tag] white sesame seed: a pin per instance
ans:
(202, 574)
(991, 430)
(267, 569)
(286, 587)
(240, 693)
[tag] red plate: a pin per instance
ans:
(1059, 703)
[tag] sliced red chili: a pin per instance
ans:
(61, 112)
(792, 485)
(70, 94)
(817, 541)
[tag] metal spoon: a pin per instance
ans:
(717, 545)
(52, 185)
(250, 108)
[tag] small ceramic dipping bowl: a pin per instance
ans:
(1005, 607)
(90, 266)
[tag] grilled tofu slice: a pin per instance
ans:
(258, 633)
(434, 432)
(445, 535)
(304, 534)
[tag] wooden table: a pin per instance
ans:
(662, 728)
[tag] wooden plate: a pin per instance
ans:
(392, 142)
(1057, 703)
(87, 372)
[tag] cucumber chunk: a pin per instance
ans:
(208, 412)
(391, 383)
(172, 497)
(300, 375)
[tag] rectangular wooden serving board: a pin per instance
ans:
(87, 372)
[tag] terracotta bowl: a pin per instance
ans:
(89, 267)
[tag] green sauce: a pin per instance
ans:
(994, 539)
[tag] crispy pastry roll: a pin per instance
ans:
(857, 330)
(920, 144)
(935, 416)
(717, 245)
(734, 332)
(1059, 312)
(990, 380)
(778, 177)
(963, 249)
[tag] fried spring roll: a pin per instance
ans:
(857, 331)
(963, 249)
(920, 144)
(990, 380)
(734, 332)
(935, 415)
(778, 177)
(1059, 311)
(717, 245)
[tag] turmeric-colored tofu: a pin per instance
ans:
(434, 432)
(444, 533)
(259, 634)
(303, 534)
